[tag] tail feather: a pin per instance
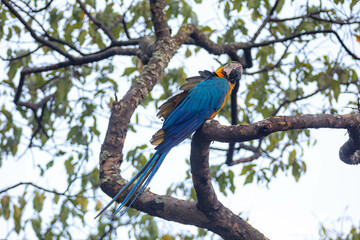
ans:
(138, 185)
(148, 180)
(142, 178)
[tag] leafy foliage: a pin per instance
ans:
(61, 115)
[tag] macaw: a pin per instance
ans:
(202, 98)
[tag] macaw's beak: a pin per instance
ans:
(235, 74)
(233, 71)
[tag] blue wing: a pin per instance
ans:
(203, 100)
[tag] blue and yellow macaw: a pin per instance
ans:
(202, 98)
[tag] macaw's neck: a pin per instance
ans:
(231, 86)
(219, 72)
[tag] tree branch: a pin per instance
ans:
(111, 151)
(41, 188)
(265, 43)
(159, 20)
(297, 17)
(54, 39)
(101, 55)
(40, 9)
(246, 159)
(34, 107)
(266, 21)
(222, 221)
(34, 35)
(213, 131)
(21, 56)
(200, 40)
(350, 152)
(97, 22)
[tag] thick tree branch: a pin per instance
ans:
(129, 42)
(111, 152)
(159, 20)
(350, 152)
(201, 40)
(213, 131)
(222, 221)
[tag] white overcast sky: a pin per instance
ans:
(285, 209)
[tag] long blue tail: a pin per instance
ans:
(142, 178)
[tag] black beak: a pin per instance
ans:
(235, 74)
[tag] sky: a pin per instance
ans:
(284, 209)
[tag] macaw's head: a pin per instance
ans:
(231, 71)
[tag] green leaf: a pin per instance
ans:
(129, 71)
(17, 219)
(292, 157)
(247, 168)
(336, 89)
(280, 6)
(50, 164)
(98, 205)
(64, 214)
(99, 40)
(69, 166)
(296, 171)
(81, 37)
(352, 4)
(63, 88)
(83, 203)
(249, 177)
(13, 68)
(17, 30)
(36, 224)
(275, 170)
(227, 10)
(187, 53)
(38, 201)
(56, 198)
(5, 207)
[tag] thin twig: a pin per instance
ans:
(97, 22)
(266, 21)
(33, 33)
(75, 62)
(22, 56)
(246, 159)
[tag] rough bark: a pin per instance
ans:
(221, 220)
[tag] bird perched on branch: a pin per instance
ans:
(202, 98)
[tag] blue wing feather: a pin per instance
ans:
(203, 100)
